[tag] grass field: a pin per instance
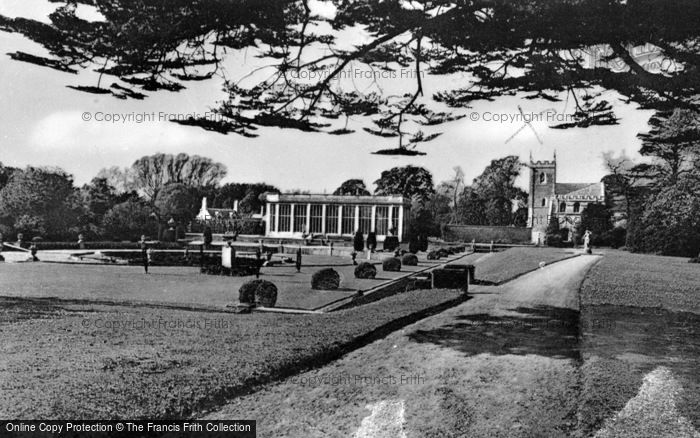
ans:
(77, 357)
(95, 361)
(500, 267)
(639, 314)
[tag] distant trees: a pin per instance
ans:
(661, 195)
(38, 200)
(151, 173)
(493, 198)
(408, 181)
(354, 187)
(247, 195)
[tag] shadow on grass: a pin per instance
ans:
(543, 330)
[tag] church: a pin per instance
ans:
(553, 200)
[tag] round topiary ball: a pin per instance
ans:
(260, 292)
(433, 255)
(392, 265)
(365, 270)
(410, 260)
(246, 293)
(325, 279)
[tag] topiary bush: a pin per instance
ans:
(410, 260)
(392, 265)
(325, 279)
(365, 270)
(442, 252)
(246, 293)
(433, 255)
(391, 243)
(258, 292)
(414, 244)
(451, 279)
(358, 242)
(265, 294)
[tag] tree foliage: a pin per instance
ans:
(354, 187)
(493, 195)
(408, 181)
(539, 48)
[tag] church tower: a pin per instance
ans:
(543, 179)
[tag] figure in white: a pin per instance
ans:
(587, 241)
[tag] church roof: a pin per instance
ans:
(579, 190)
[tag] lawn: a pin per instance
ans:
(499, 267)
(639, 314)
(82, 361)
(181, 286)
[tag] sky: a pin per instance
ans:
(42, 123)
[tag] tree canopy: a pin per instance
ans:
(355, 187)
(408, 181)
(647, 50)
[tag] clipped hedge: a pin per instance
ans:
(246, 293)
(451, 279)
(365, 270)
(392, 265)
(410, 260)
(261, 292)
(325, 279)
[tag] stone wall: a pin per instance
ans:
(486, 234)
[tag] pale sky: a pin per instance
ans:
(41, 123)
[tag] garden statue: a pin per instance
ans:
(20, 239)
(354, 257)
(81, 241)
(587, 242)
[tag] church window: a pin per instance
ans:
(543, 178)
(562, 207)
(577, 207)
(544, 202)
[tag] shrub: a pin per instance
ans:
(433, 255)
(414, 244)
(358, 242)
(325, 279)
(423, 242)
(694, 260)
(246, 293)
(391, 243)
(410, 260)
(442, 252)
(265, 293)
(392, 265)
(451, 279)
(365, 270)
(372, 241)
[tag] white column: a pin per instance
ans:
(373, 221)
(291, 218)
(357, 218)
(340, 219)
(391, 217)
(277, 217)
(400, 223)
(308, 219)
(323, 219)
(267, 219)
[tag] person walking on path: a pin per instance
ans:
(144, 253)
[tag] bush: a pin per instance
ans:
(325, 279)
(246, 293)
(391, 243)
(265, 293)
(433, 255)
(694, 260)
(442, 252)
(365, 270)
(414, 245)
(358, 242)
(423, 242)
(372, 241)
(392, 265)
(410, 260)
(451, 279)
